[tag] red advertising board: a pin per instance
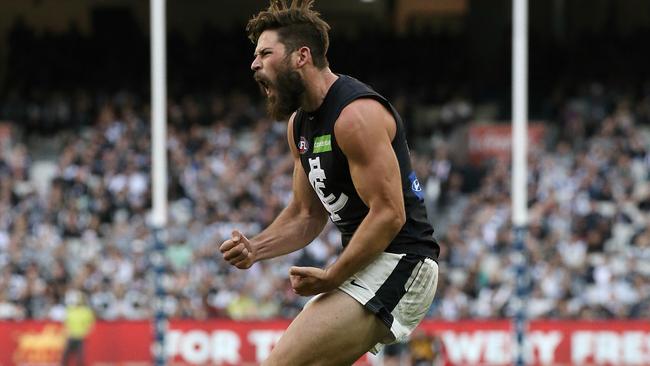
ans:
(222, 342)
(495, 141)
(547, 342)
(41, 343)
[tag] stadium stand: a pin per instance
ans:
(87, 228)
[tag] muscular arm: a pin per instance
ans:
(364, 132)
(299, 223)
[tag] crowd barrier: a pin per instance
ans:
(225, 342)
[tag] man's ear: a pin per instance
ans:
(303, 56)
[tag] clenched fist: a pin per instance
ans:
(238, 251)
(308, 281)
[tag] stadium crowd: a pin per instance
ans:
(87, 228)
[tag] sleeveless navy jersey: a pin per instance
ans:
(329, 174)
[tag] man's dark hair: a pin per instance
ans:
(298, 25)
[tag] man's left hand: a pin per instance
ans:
(307, 281)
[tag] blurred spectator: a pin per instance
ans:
(423, 349)
(393, 354)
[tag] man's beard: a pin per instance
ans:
(288, 91)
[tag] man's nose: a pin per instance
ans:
(256, 65)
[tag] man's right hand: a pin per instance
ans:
(238, 251)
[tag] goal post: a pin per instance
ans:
(158, 173)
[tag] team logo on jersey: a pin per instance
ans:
(323, 144)
(415, 186)
(303, 145)
(330, 202)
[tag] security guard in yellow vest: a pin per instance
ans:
(79, 320)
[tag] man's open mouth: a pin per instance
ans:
(265, 85)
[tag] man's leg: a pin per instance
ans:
(334, 330)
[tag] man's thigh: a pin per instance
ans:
(334, 329)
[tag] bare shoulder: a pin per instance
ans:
(290, 140)
(364, 121)
(290, 125)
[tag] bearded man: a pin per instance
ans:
(351, 164)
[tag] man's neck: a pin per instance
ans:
(317, 84)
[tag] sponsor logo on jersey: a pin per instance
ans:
(415, 186)
(317, 179)
(303, 145)
(323, 144)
